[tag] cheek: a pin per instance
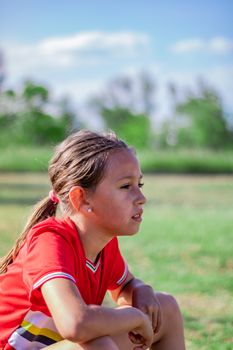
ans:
(114, 209)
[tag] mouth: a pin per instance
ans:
(138, 217)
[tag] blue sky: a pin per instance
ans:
(76, 47)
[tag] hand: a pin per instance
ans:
(142, 335)
(144, 299)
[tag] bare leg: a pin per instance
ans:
(171, 334)
(117, 342)
(103, 343)
(169, 337)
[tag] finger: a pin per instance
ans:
(149, 312)
(157, 321)
(154, 321)
(154, 316)
(135, 338)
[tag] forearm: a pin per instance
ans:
(99, 321)
(141, 296)
(126, 295)
(79, 322)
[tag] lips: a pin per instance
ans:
(138, 216)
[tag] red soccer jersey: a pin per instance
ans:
(52, 249)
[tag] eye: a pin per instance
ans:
(126, 186)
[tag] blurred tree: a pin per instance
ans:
(2, 70)
(202, 121)
(134, 93)
(35, 94)
(125, 107)
(119, 93)
(29, 117)
(133, 128)
(171, 128)
(8, 109)
(147, 87)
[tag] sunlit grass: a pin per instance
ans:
(199, 161)
(194, 161)
(25, 158)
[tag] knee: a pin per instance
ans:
(104, 343)
(170, 307)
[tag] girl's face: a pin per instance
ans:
(117, 201)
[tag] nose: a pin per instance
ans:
(141, 199)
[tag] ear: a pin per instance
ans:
(77, 196)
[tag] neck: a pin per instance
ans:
(92, 240)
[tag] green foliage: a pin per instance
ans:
(40, 128)
(29, 117)
(10, 93)
(205, 124)
(32, 91)
(133, 128)
(119, 106)
(24, 119)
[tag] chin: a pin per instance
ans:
(132, 233)
(129, 232)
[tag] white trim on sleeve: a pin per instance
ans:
(51, 276)
(123, 277)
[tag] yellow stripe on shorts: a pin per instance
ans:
(41, 331)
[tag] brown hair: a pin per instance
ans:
(81, 159)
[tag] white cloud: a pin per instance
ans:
(221, 45)
(82, 49)
(217, 45)
(91, 42)
(189, 45)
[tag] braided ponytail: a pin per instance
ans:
(44, 209)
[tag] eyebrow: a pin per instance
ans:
(129, 177)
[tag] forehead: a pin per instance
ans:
(122, 163)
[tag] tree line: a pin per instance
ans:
(126, 105)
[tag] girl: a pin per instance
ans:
(54, 279)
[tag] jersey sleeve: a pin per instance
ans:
(49, 256)
(119, 267)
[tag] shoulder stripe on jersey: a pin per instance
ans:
(123, 277)
(51, 276)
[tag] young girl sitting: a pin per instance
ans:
(54, 279)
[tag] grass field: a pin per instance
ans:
(185, 245)
(179, 161)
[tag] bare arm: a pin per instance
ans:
(140, 295)
(124, 294)
(81, 323)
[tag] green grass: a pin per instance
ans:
(187, 161)
(184, 247)
(25, 158)
(35, 159)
